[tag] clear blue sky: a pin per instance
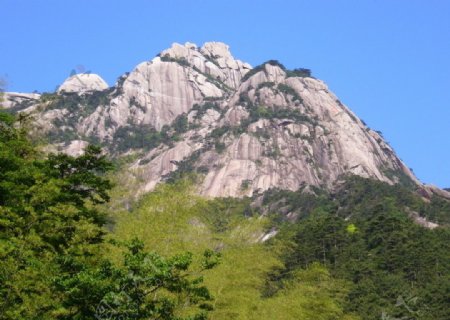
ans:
(389, 60)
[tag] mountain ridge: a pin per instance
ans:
(199, 109)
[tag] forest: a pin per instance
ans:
(70, 249)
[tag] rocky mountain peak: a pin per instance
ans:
(244, 129)
(216, 50)
(15, 99)
(83, 82)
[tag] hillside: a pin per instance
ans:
(199, 109)
(198, 187)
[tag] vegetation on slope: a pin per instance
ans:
(172, 219)
(363, 234)
(51, 245)
(352, 254)
(299, 72)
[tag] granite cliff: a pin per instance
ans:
(199, 109)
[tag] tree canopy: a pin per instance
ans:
(51, 232)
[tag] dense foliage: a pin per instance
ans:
(363, 234)
(52, 236)
(174, 220)
(352, 254)
(299, 72)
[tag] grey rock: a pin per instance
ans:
(76, 148)
(19, 100)
(83, 82)
(276, 131)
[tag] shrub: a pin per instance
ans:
(259, 68)
(137, 137)
(219, 146)
(219, 132)
(180, 124)
(245, 184)
(267, 84)
(300, 72)
(202, 108)
(180, 60)
(284, 88)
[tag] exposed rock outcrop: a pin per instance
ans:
(428, 191)
(76, 148)
(306, 136)
(19, 100)
(83, 82)
(245, 130)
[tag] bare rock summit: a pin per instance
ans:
(83, 82)
(198, 109)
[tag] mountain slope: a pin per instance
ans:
(352, 252)
(199, 109)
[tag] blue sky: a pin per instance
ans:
(389, 61)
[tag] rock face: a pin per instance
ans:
(19, 100)
(157, 91)
(83, 82)
(284, 132)
(76, 148)
(245, 130)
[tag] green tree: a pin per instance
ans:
(49, 223)
(367, 238)
(51, 236)
(146, 286)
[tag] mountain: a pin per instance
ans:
(336, 227)
(200, 109)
